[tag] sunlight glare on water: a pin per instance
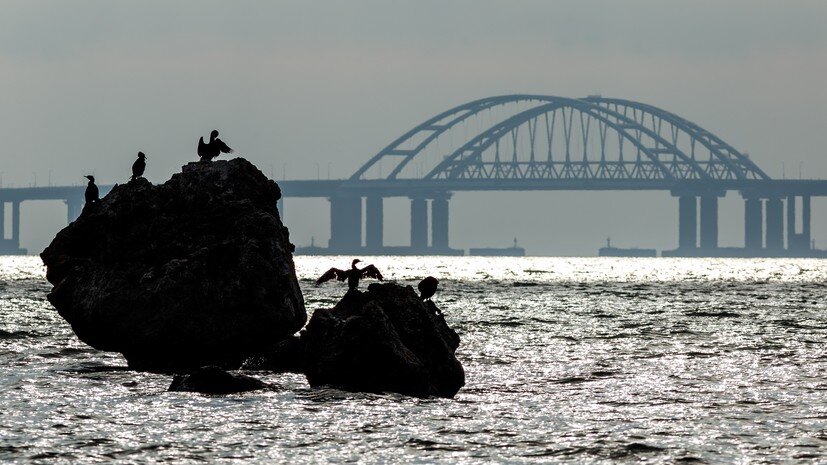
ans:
(580, 360)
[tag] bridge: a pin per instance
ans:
(538, 142)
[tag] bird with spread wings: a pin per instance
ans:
(213, 148)
(352, 276)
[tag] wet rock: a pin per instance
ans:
(286, 357)
(196, 271)
(385, 339)
(214, 380)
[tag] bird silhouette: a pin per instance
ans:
(92, 194)
(427, 287)
(212, 149)
(353, 275)
(139, 166)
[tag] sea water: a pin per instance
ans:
(578, 360)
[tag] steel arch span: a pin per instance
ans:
(540, 137)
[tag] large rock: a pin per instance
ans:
(385, 339)
(196, 271)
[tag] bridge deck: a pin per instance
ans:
(413, 187)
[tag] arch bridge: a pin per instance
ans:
(537, 142)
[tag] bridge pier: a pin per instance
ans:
(709, 222)
(419, 224)
(73, 209)
(374, 222)
(15, 224)
(775, 224)
(280, 208)
(345, 222)
(10, 245)
(439, 222)
(792, 240)
(753, 224)
(805, 223)
(687, 222)
(798, 241)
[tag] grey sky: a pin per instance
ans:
(296, 85)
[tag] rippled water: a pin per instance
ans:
(581, 360)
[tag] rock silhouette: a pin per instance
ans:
(196, 271)
(286, 357)
(214, 380)
(385, 339)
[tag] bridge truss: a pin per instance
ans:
(546, 138)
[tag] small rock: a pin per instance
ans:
(286, 357)
(383, 340)
(214, 380)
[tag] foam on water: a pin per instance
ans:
(581, 360)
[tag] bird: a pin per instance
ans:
(213, 149)
(353, 275)
(427, 287)
(92, 194)
(139, 166)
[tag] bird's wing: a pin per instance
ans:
(370, 271)
(222, 146)
(333, 273)
(201, 147)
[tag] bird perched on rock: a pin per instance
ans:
(427, 287)
(212, 149)
(92, 194)
(353, 275)
(139, 166)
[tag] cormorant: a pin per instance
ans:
(139, 166)
(92, 194)
(353, 275)
(427, 287)
(213, 149)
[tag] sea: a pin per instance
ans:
(568, 360)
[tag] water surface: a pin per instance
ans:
(579, 360)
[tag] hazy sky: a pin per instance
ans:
(300, 84)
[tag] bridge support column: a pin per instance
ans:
(280, 207)
(419, 224)
(798, 241)
(439, 222)
(709, 222)
(775, 224)
(805, 223)
(792, 238)
(687, 222)
(753, 224)
(374, 222)
(15, 224)
(345, 222)
(2, 220)
(73, 209)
